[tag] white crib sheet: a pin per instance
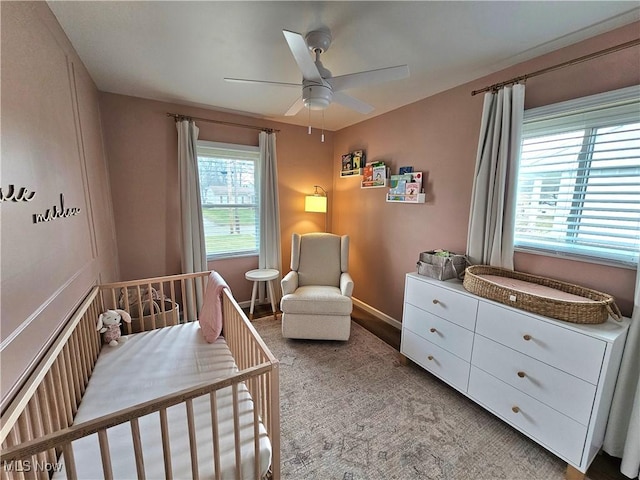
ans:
(153, 364)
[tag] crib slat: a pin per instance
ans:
(172, 287)
(69, 462)
(140, 306)
(75, 372)
(215, 435)
(256, 433)
(151, 309)
(114, 301)
(45, 413)
(126, 306)
(67, 385)
(236, 432)
(82, 353)
(86, 346)
(163, 314)
(166, 447)
(273, 408)
(24, 432)
(35, 420)
(105, 455)
(185, 302)
(137, 448)
(51, 393)
(193, 446)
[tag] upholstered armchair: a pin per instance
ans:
(316, 293)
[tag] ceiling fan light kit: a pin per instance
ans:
(316, 97)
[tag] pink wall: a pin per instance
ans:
(439, 135)
(141, 145)
(51, 144)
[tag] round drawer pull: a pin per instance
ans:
(515, 409)
(432, 330)
(435, 301)
(521, 374)
(527, 337)
(430, 357)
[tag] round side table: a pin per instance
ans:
(262, 275)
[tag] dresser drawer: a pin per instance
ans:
(443, 333)
(555, 388)
(451, 305)
(550, 428)
(567, 350)
(438, 361)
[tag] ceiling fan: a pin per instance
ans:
(319, 88)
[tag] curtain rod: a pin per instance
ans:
(177, 117)
(584, 58)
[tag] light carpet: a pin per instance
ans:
(352, 411)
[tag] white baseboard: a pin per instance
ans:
(377, 313)
(360, 304)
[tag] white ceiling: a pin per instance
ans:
(180, 51)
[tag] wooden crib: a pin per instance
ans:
(37, 427)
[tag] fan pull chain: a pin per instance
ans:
(309, 108)
(322, 135)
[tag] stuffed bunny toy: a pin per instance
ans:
(109, 326)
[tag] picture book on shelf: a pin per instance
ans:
(412, 189)
(347, 164)
(357, 159)
(367, 174)
(379, 174)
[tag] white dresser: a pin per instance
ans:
(550, 379)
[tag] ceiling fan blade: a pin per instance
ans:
(295, 108)
(370, 77)
(300, 52)
(352, 103)
(244, 80)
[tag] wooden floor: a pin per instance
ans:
(604, 467)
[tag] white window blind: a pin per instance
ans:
(229, 195)
(579, 178)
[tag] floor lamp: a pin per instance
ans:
(317, 203)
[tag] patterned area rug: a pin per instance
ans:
(352, 411)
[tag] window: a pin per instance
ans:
(229, 195)
(579, 179)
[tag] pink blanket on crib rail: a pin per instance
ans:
(211, 313)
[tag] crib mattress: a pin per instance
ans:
(150, 365)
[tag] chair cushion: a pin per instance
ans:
(317, 299)
(319, 261)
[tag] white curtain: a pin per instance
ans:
(622, 437)
(492, 216)
(270, 250)
(194, 255)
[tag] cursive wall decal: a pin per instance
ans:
(21, 195)
(55, 212)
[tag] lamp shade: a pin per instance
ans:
(315, 203)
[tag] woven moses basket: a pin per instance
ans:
(596, 310)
